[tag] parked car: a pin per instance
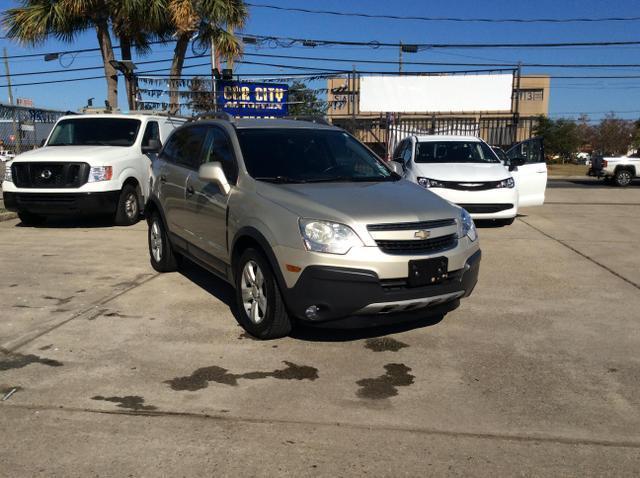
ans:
(466, 171)
(6, 155)
(306, 223)
(90, 164)
(621, 170)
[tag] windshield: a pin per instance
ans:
(95, 131)
(309, 155)
(455, 152)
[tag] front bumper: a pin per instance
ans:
(341, 292)
(62, 203)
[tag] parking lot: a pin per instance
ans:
(121, 371)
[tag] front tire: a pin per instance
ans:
(128, 210)
(623, 178)
(163, 258)
(261, 310)
(29, 219)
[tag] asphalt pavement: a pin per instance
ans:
(111, 369)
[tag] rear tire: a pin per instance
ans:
(623, 177)
(29, 219)
(128, 210)
(261, 310)
(163, 258)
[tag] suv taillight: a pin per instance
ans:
(605, 163)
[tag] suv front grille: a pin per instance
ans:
(50, 175)
(410, 226)
(426, 246)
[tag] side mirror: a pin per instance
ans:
(213, 173)
(42, 142)
(515, 162)
(153, 146)
(396, 167)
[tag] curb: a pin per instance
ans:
(7, 216)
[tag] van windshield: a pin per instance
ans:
(454, 152)
(309, 155)
(95, 131)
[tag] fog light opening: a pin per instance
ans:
(312, 312)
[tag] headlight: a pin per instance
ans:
(466, 227)
(430, 183)
(506, 183)
(100, 173)
(7, 172)
(329, 237)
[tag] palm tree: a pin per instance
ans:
(36, 20)
(208, 21)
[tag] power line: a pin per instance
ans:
(441, 63)
(443, 19)
(290, 41)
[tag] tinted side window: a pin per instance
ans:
(219, 149)
(152, 131)
(185, 146)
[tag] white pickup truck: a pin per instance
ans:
(619, 169)
(90, 164)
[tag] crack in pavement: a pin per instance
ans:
(15, 344)
(582, 254)
(515, 437)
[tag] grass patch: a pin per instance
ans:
(567, 169)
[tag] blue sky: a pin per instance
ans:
(568, 95)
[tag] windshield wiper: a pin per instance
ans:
(279, 179)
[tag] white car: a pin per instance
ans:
(467, 172)
(90, 164)
(6, 155)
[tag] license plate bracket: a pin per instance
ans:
(428, 271)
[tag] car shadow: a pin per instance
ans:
(339, 331)
(71, 223)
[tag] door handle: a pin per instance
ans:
(163, 178)
(190, 191)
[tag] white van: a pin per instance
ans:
(90, 164)
(467, 172)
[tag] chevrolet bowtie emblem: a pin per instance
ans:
(423, 234)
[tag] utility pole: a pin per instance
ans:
(400, 59)
(516, 113)
(214, 67)
(16, 133)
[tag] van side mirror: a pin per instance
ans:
(396, 167)
(152, 147)
(515, 162)
(42, 142)
(213, 173)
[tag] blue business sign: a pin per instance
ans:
(246, 99)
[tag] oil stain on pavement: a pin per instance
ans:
(13, 361)
(384, 386)
(132, 402)
(200, 378)
(384, 344)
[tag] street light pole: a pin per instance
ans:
(16, 133)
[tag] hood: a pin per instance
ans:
(364, 203)
(462, 171)
(91, 154)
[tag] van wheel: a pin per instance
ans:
(163, 258)
(261, 310)
(128, 211)
(623, 177)
(29, 219)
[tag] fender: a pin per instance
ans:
(130, 172)
(253, 233)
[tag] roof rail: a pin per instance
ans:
(311, 119)
(223, 115)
